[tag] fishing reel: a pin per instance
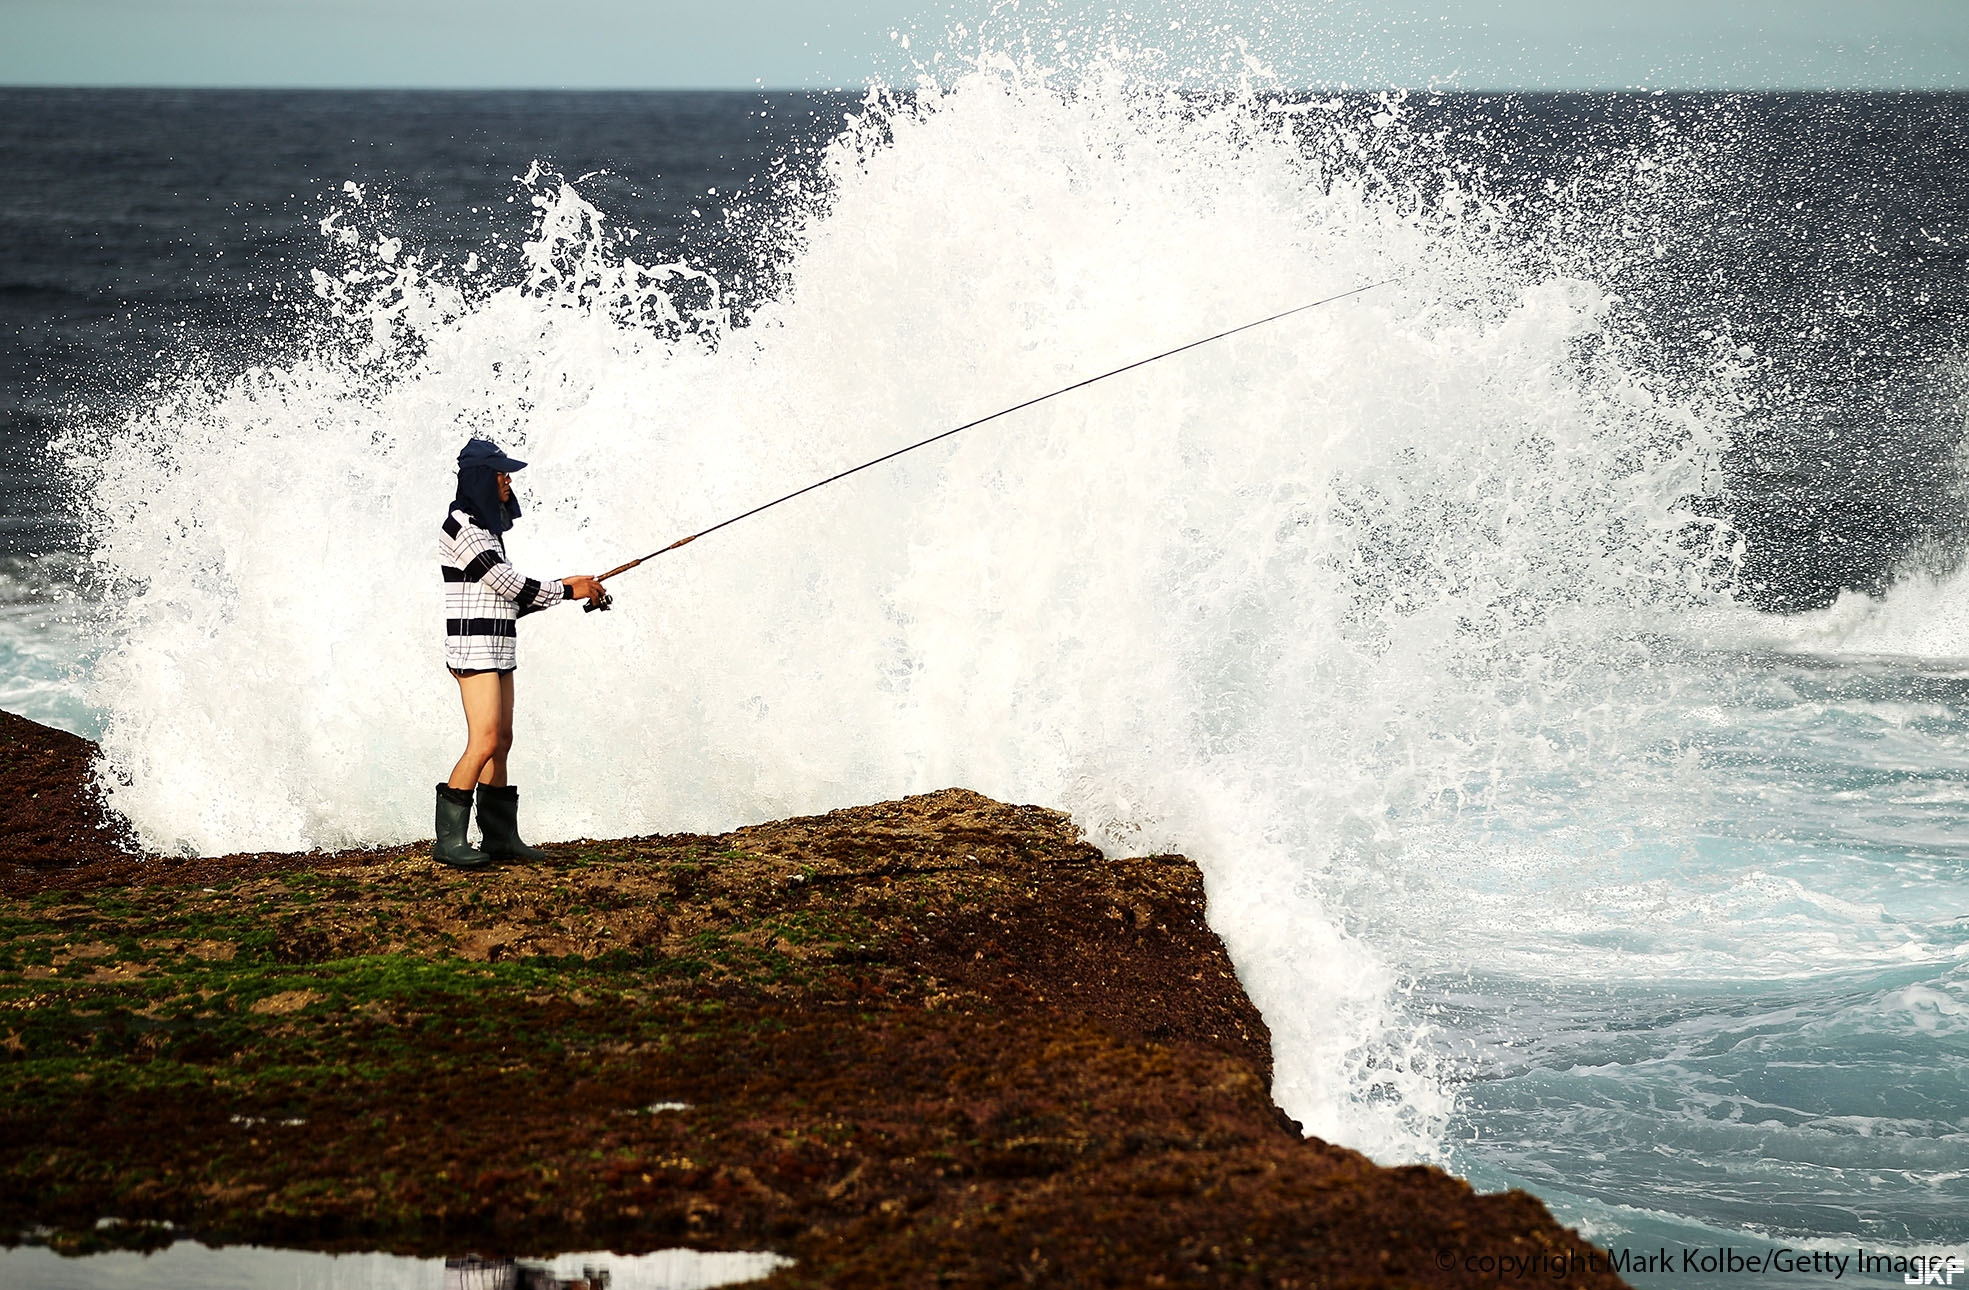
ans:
(606, 602)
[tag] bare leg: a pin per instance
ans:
(495, 769)
(488, 701)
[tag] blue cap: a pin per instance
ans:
(487, 455)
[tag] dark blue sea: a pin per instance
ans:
(1556, 656)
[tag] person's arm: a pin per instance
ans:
(484, 562)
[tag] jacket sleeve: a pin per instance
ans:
(484, 562)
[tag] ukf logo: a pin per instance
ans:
(1937, 1271)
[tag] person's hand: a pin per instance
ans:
(584, 587)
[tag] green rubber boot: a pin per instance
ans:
(499, 820)
(454, 809)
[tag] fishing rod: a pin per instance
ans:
(608, 600)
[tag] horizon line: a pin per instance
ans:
(205, 87)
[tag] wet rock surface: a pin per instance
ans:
(48, 812)
(939, 1041)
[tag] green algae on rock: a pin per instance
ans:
(939, 1041)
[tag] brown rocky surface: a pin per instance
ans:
(48, 811)
(933, 1042)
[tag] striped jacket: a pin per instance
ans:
(484, 596)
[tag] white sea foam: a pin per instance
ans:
(1924, 616)
(1269, 603)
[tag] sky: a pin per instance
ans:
(795, 44)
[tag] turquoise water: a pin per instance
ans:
(44, 647)
(1732, 1011)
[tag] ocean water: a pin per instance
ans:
(1554, 657)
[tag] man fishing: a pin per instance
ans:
(484, 596)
